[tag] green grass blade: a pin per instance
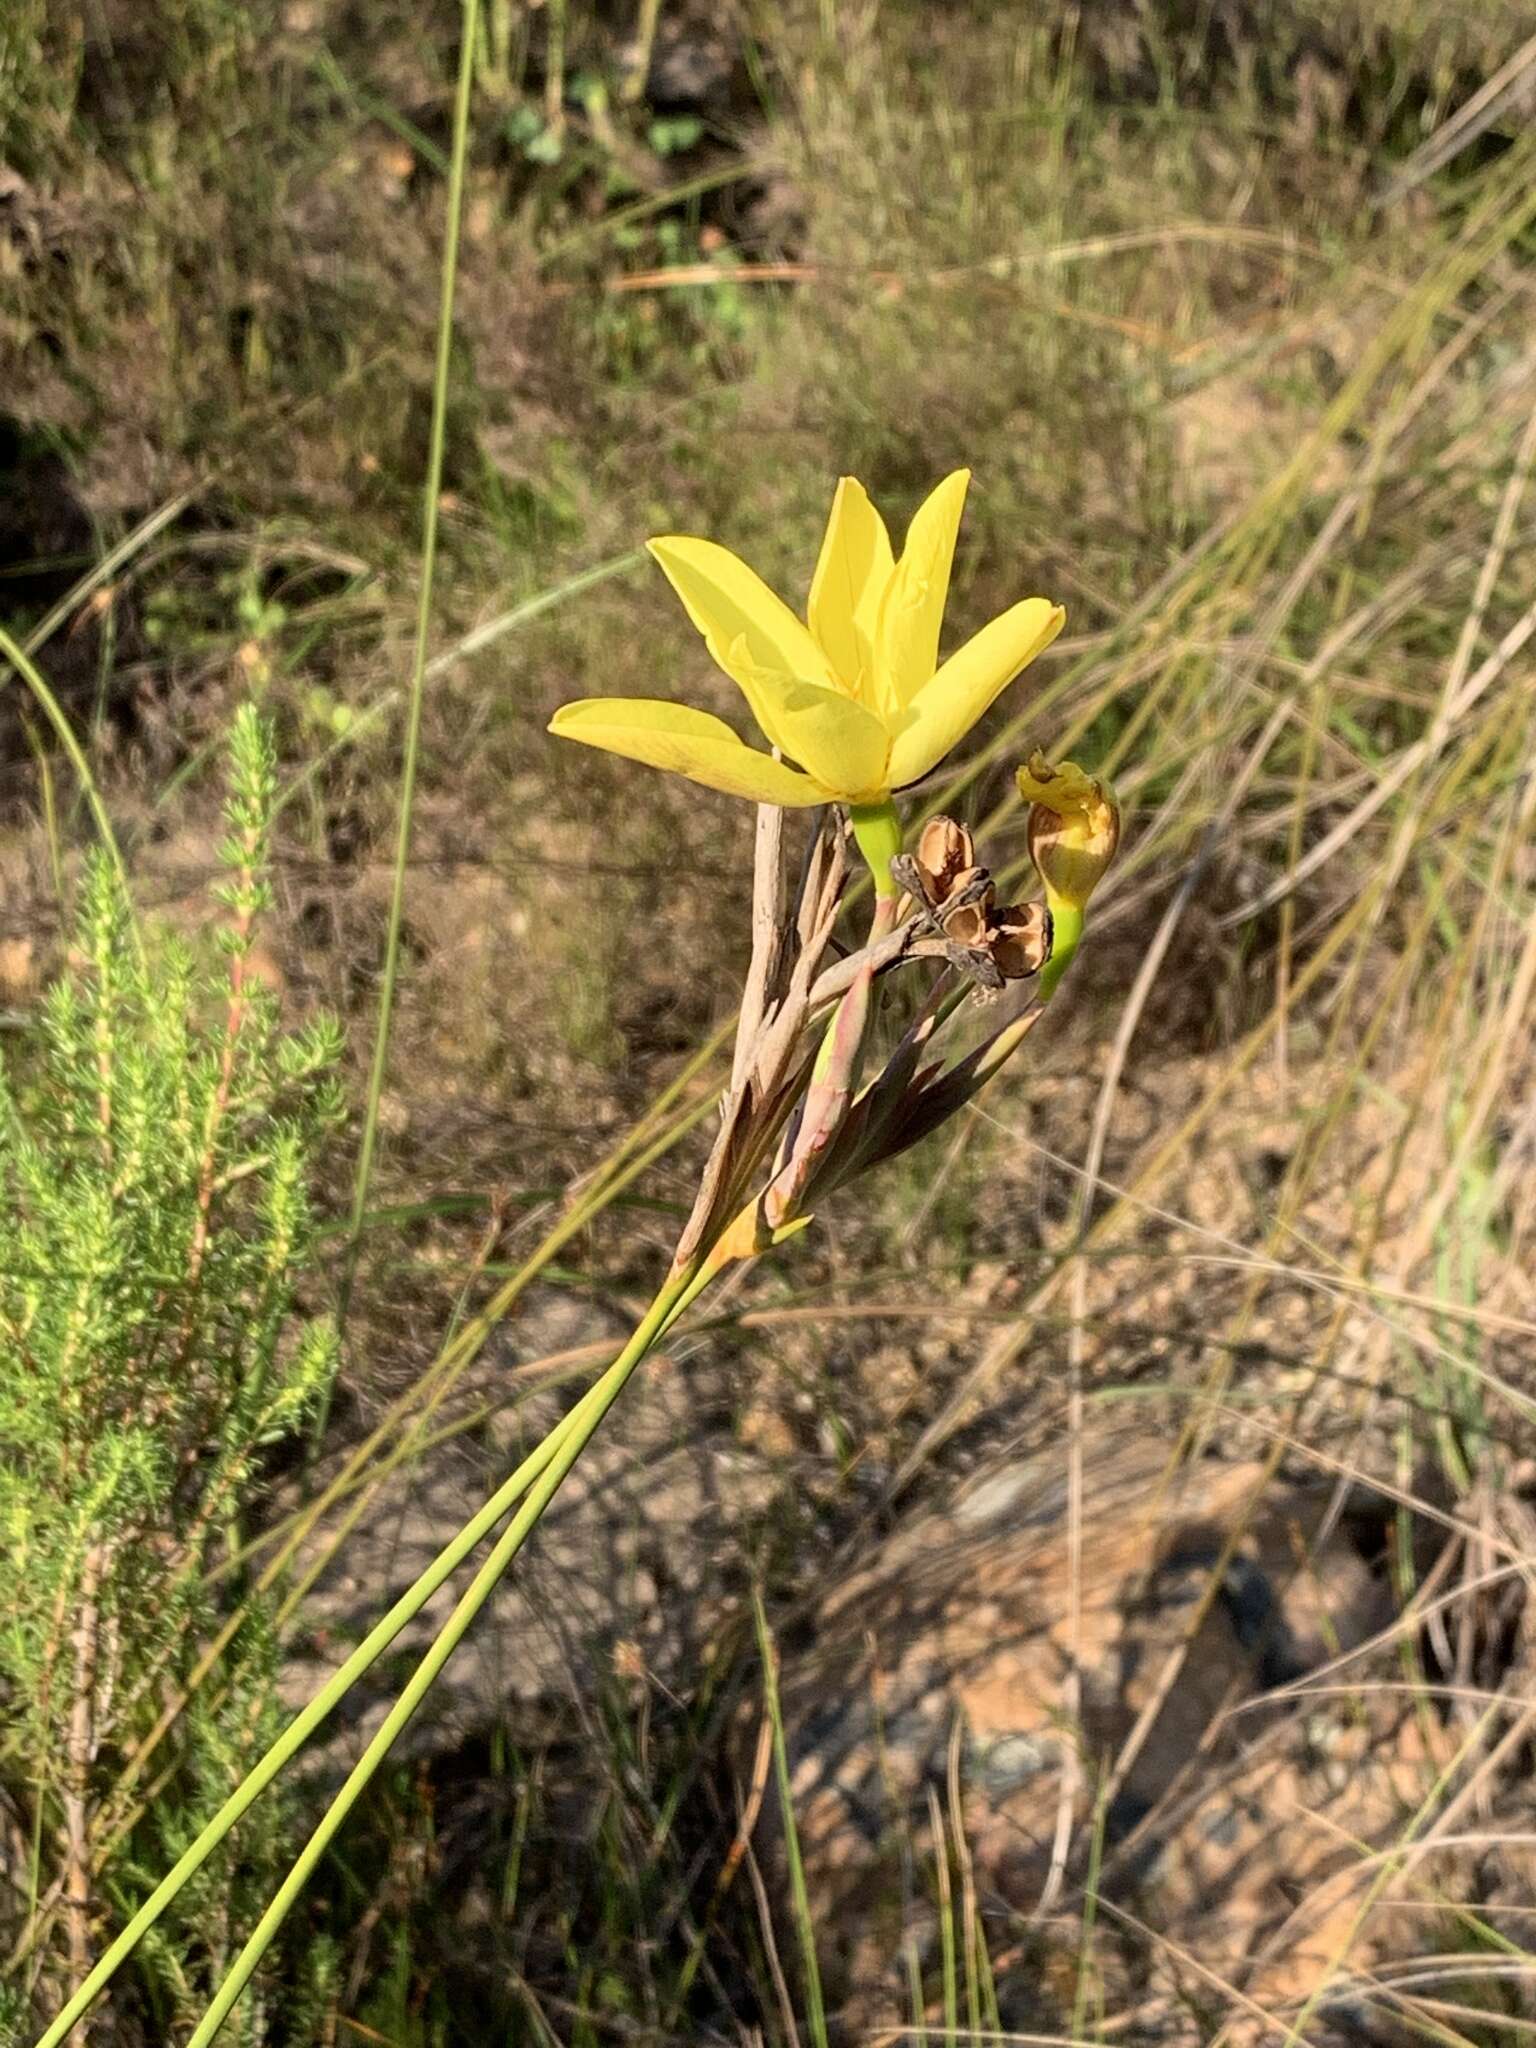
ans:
(53, 711)
(431, 494)
(799, 1897)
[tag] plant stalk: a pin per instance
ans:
(680, 1290)
(673, 1298)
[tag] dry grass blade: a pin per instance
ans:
(1488, 105)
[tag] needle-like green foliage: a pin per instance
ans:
(157, 1133)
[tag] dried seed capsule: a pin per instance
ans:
(945, 850)
(969, 923)
(1021, 941)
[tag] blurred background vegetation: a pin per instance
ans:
(1229, 308)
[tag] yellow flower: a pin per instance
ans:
(855, 700)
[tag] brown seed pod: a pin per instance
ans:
(1021, 941)
(945, 850)
(968, 923)
(956, 897)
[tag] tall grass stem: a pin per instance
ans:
(53, 711)
(431, 497)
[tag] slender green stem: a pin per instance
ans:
(580, 1426)
(1066, 932)
(53, 711)
(644, 43)
(432, 492)
(805, 1925)
(877, 828)
(554, 69)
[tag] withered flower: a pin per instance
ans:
(945, 850)
(992, 943)
(1074, 828)
(965, 916)
(1074, 831)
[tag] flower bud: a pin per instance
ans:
(1074, 829)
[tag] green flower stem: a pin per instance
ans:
(579, 1428)
(878, 831)
(1066, 931)
(579, 1424)
(293, 1738)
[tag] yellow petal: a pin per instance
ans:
(946, 708)
(685, 742)
(1065, 788)
(852, 572)
(752, 635)
(913, 608)
(837, 742)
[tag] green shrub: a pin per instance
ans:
(157, 1133)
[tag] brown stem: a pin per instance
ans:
(770, 938)
(80, 1755)
(835, 982)
(754, 1106)
(217, 1106)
